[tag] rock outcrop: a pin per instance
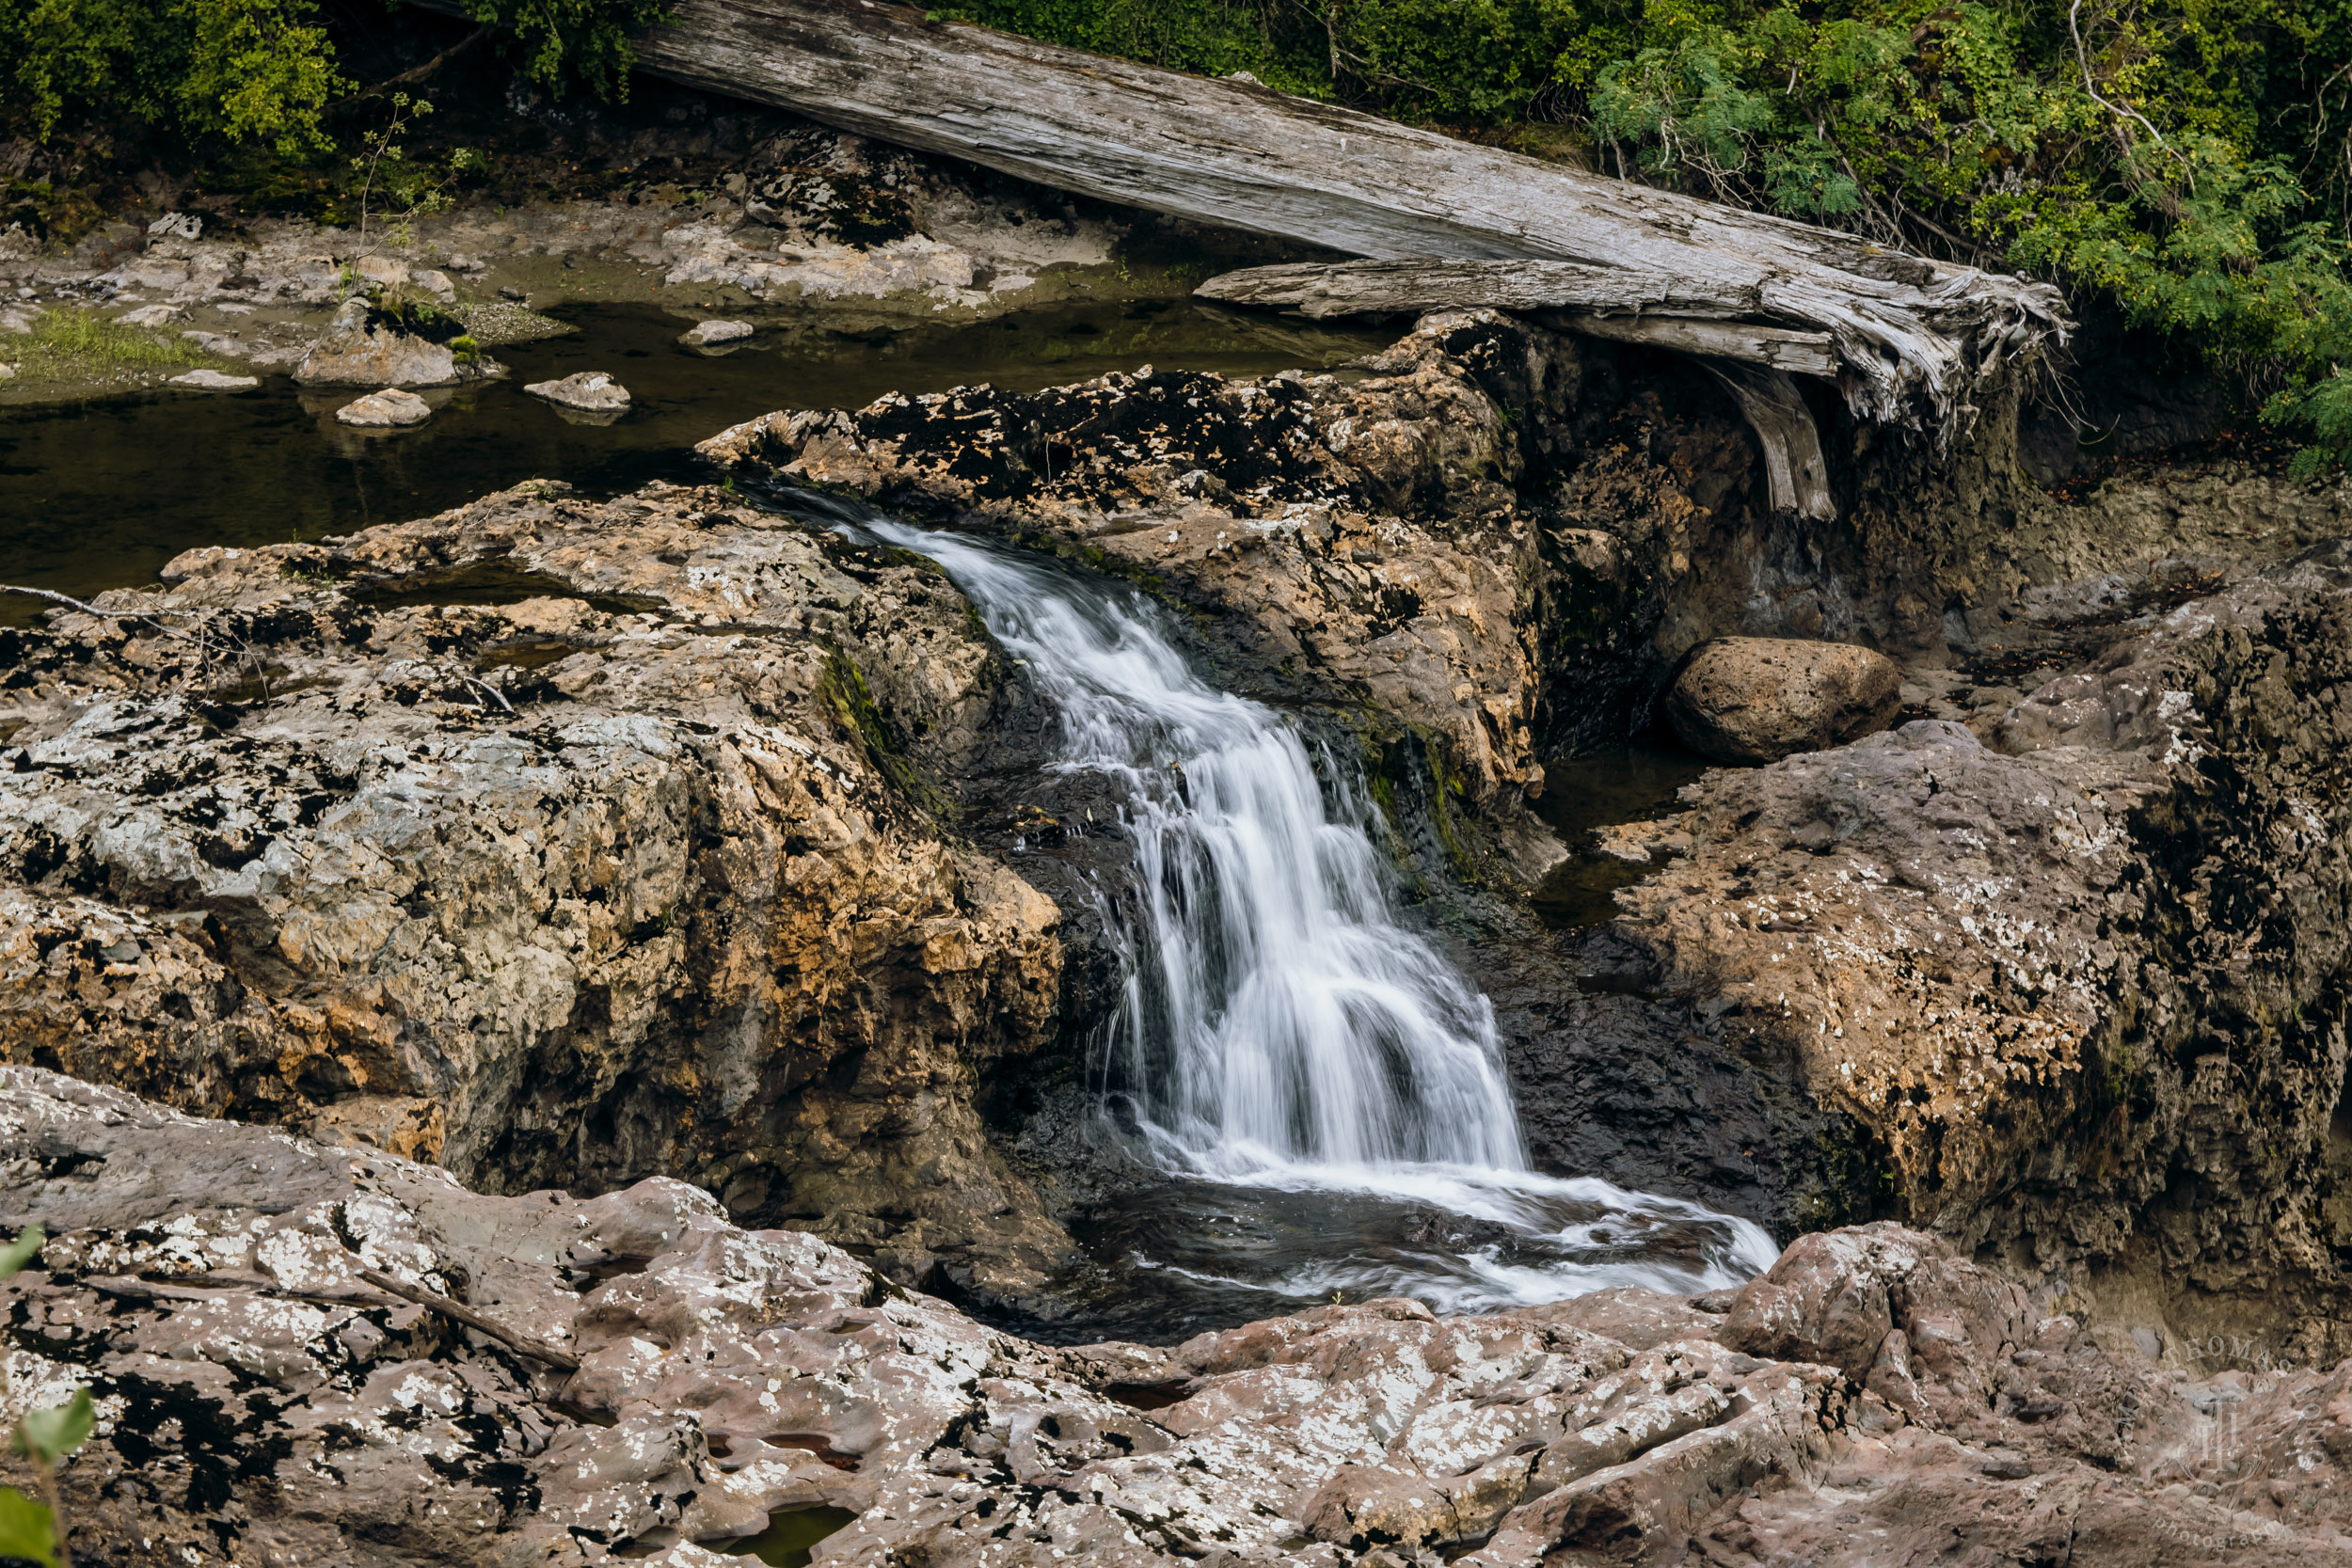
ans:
(1360, 540)
(1758, 699)
(2087, 989)
(358, 349)
(1873, 1398)
(557, 843)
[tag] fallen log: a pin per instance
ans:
(1911, 336)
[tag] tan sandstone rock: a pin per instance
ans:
(562, 892)
(1758, 699)
(388, 410)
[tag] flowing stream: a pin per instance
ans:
(1323, 1091)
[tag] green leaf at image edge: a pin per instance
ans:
(26, 1529)
(22, 1251)
(50, 1435)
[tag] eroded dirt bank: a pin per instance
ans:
(1874, 1397)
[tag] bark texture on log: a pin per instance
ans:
(1913, 337)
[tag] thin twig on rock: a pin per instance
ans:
(457, 1311)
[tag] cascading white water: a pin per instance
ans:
(1282, 1026)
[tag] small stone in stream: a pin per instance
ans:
(704, 334)
(356, 350)
(438, 285)
(214, 381)
(1759, 699)
(153, 315)
(593, 391)
(507, 291)
(384, 409)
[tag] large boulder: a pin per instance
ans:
(260, 1401)
(1759, 699)
(569, 889)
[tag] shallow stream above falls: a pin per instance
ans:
(98, 493)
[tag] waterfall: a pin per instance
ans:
(1283, 1026)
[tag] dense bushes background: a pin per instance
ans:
(2189, 162)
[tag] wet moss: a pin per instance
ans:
(845, 692)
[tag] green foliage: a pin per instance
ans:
(48, 1435)
(243, 70)
(28, 1530)
(255, 72)
(563, 39)
(16, 1254)
(2188, 160)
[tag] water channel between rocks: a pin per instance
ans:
(1317, 1093)
(1320, 1092)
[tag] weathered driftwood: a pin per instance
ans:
(1796, 479)
(1604, 302)
(1912, 336)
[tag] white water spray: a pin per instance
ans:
(1282, 1026)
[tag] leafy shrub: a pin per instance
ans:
(2188, 160)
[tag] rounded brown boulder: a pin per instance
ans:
(1759, 699)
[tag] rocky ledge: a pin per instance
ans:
(1874, 1398)
(557, 843)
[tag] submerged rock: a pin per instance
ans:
(630, 870)
(590, 392)
(705, 334)
(382, 411)
(214, 381)
(1758, 699)
(1875, 1396)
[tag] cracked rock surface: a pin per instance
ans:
(623, 871)
(1874, 1398)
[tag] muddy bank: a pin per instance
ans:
(260, 1402)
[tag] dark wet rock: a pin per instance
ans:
(560, 843)
(1758, 699)
(1353, 540)
(259, 1401)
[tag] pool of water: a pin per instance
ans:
(1633, 780)
(100, 494)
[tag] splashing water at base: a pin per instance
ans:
(1324, 1093)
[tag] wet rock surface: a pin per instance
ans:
(260, 1402)
(1758, 699)
(558, 842)
(1355, 539)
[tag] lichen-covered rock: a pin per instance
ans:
(626, 871)
(590, 392)
(2085, 997)
(1758, 699)
(260, 1402)
(358, 351)
(391, 408)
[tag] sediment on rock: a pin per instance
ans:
(560, 843)
(257, 1399)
